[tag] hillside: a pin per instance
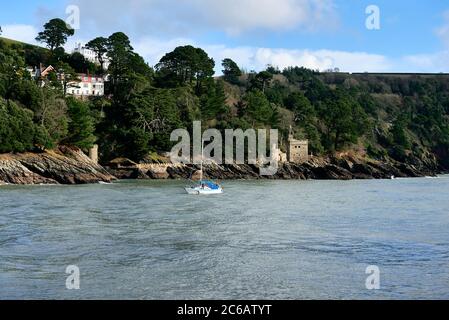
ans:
(404, 117)
(10, 42)
(390, 118)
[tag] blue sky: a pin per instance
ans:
(319, 34)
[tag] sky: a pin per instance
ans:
(412, 35)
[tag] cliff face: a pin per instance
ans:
(64, 165)
(71, 166)
(332, 168)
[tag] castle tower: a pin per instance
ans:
(297, 150)
(93, 153)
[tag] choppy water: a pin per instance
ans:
(266, 240)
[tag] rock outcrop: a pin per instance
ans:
(331, 168)
(65, 165)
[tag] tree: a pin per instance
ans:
(67, 76)
(16, 128)
(137, 143)
(27, 93)
(55, 34)
(258, 108)
(52, 115)
(42, 138)
(231, 71)
(57, 55)
(81, 124)
(155, 112)
(272, 69)
(185, 65)
(261, 80)
(128, 70)
(204, 67)
(301, 106)
(80, 64)
(399, 136)
(34, 56)
(12, 70)
(99, 45)
(344, 118)
(213, 103)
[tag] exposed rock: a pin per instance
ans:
(13, 172)
(333, 168)
(140, 175)
(123, 174)
(120, 163)
(65, 165)
(156, 171)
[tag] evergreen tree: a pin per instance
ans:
(81, 124)
(231, 71)
(257, 108)
(99, 45)
(213, 104)
(55, 34)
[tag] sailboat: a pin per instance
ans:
(204, 187)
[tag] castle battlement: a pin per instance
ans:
(297, 150)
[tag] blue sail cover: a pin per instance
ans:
(211, 185)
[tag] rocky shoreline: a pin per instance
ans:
(67, 165)
(332, 168)
(64, 165)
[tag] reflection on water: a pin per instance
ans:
(261, 239)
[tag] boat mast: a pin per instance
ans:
(202, 146)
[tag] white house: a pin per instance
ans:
(88, 86)
(90, 55)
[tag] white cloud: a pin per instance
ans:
(257, 58)
(231, 16)
(154, 49)
(20, 32)
(443, 31)
(323, 59)
(431, 62)
(236, 16)
(253, 58)
(250, 58)
(434, 61)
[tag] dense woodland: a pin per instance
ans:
(404, 117)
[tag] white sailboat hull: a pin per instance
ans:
(202, 191)
(205, 187)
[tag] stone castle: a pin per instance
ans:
(297, 150)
